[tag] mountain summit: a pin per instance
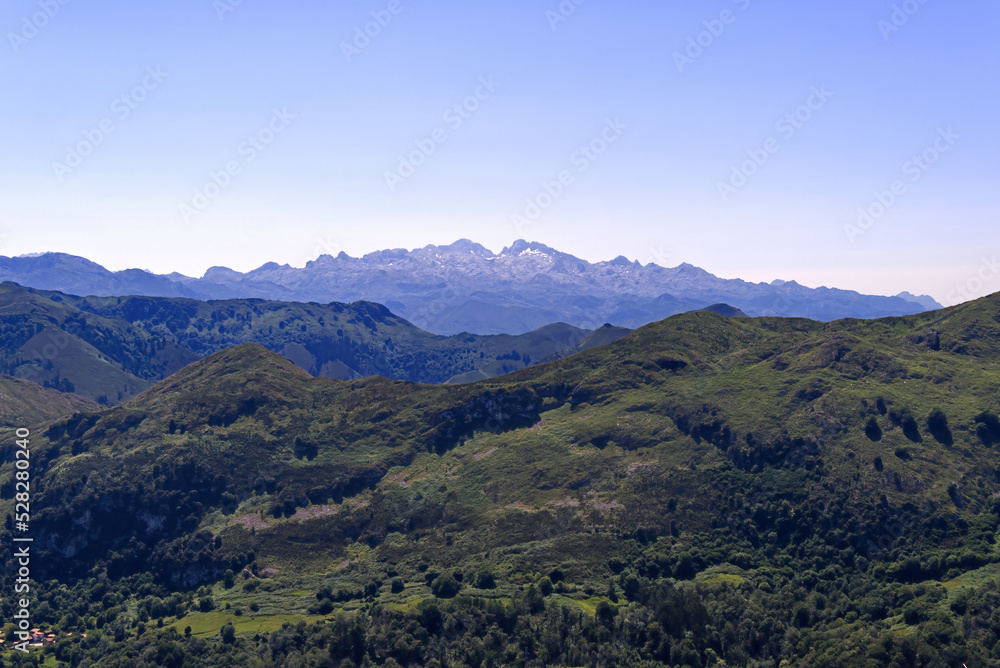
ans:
(466, 287)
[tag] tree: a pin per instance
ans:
(445, 586)
(612, 592)
(533, 600)
(228, 633)
(872, 430)
(937, 425)
(904, 419)
(685, 568)
(631, 587)
(605, 614)
(988, 428)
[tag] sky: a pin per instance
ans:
(849, 144)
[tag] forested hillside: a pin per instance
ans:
(705, 491)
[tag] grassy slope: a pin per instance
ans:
(701, 443)
(25, 404)
(50, 342)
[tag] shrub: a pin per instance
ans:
(800, 615)
(914, 612)
(631, 587)
(605, 614)
(910, 429)
(485, 580)
(988, 428)
(937, 425)
(872, 430)
(904, 419)
(445, 586)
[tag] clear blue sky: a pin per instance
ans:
(673, 131)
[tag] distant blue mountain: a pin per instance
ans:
(466, 287)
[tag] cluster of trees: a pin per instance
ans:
(805, 593)
(59, 383)
(850, 619)
(987, 425)
(15, 331)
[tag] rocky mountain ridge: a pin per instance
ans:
(465, 287)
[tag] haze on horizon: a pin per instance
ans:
(739, 136)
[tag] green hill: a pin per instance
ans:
(25, 404)
(726, 310)
(46, 340)
(705, 490)
(111, 348)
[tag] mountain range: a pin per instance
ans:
(464, 287)
(108, 349)
(707, 490)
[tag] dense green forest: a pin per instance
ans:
(109, 349)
